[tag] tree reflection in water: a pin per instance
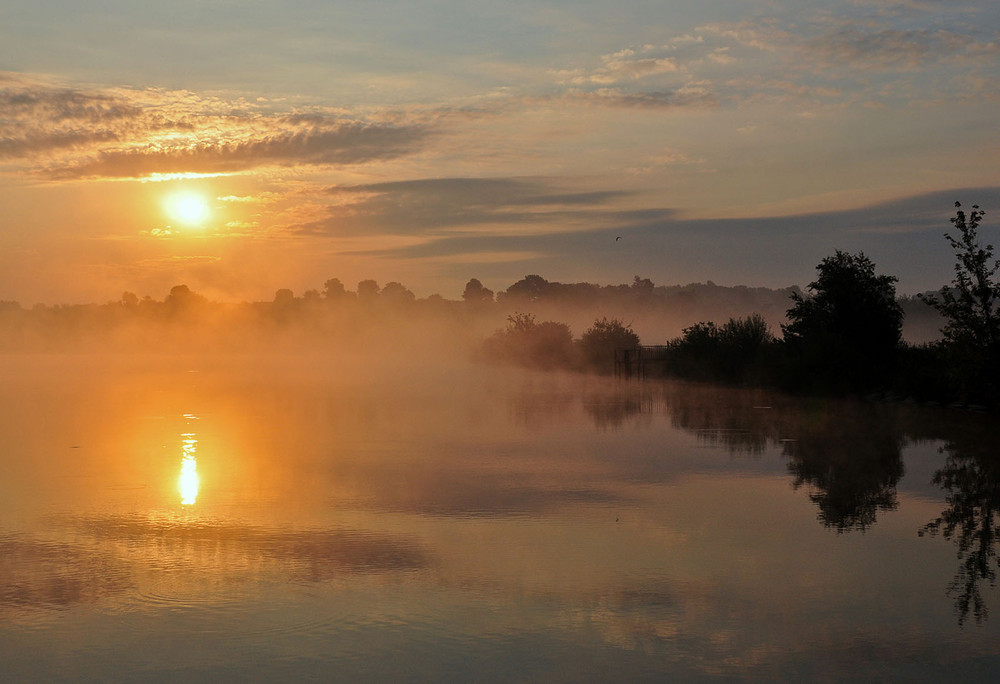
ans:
(849, 456)
(852, 459)
(971, 479)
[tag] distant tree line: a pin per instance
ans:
(842, 336)
(334, 311)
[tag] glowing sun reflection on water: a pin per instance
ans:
(187, 483)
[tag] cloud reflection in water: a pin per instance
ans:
(113, 554)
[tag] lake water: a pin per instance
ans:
(242, 519)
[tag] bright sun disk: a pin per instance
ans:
(188, 208)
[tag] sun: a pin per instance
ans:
(188, 208)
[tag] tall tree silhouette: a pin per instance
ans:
(846, 335)
(971, 307)
(475, 293)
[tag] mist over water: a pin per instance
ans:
(210, 477)
(373, 516)
(391, 320)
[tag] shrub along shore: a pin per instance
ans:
(843, 337)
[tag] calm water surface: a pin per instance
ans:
(241, 519)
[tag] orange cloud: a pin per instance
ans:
(67, 133)
(346, 143)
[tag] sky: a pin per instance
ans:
(243, 147)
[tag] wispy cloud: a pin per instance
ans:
(69, 133)
(341, 143)
(895, 49)
(686, 97)
(262, 198)
(433, 206)
(763, 36)
(898, 234)
(628, 64)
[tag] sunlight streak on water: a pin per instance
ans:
(187, 483)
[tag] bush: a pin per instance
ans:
(545, 345)
(599, 343)
(732, 353)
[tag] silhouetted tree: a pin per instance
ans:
(530, 288)
(971, 307)
(601, 340)
(475, 293)
(729, 353)
(546, 345)
(368, 289)
(284, 297)
(642, 285)
(333, 289)
(284, 306)
(552, 345)
(741, 341)
(694, 354)
(520, 323)
(396, 292)
(846, 335)
(182, 299)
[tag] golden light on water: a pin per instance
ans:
(187, 483)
